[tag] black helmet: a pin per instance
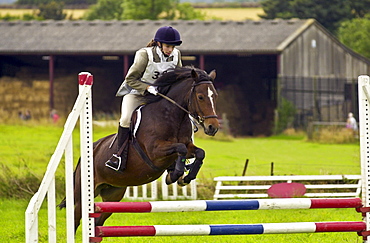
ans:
(168, 35)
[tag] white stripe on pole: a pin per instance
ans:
(182, 230)
(287, 228)
(292, 203)
(178, 206)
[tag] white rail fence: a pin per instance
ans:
(150, 191)
(229, 187)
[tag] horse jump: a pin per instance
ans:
(229, 229)
(95, 234)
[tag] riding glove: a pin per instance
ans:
(152, 90)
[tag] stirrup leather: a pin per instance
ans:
(110, 161)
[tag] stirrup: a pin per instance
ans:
(107, 164)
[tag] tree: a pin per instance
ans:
(360, 8)
(187, 12)
(105, 10)
(52, 10)
(276, 9)
(355, 34)
(145, 9)
(142, 9)
(328, 13)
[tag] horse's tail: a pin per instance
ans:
(63, 203)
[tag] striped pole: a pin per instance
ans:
(211, 205)
(229, 229)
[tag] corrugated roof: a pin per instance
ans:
(124, 37)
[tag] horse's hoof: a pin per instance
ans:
(168, 179)
(181, 182)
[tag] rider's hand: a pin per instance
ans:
(152, 90)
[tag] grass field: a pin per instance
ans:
(219, 13)
(28, 145)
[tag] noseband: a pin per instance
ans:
(199, 119)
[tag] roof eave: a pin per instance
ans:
(296, 33)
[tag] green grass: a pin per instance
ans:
(290, 156)
(26, 148)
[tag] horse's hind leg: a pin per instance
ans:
(110, 194)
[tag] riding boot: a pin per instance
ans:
(118, 160)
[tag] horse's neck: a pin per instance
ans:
(166, 109)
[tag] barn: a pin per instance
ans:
(261, 66)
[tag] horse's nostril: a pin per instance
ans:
(211, 130)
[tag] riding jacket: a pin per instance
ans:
(149, 64)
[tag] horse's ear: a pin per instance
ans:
(212, 74)
(194, 75)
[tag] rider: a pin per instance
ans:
(150, 63)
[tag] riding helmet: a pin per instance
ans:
(168, 35)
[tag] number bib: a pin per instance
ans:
(155, 69)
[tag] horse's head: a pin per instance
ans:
(192, 91)
(202, 101)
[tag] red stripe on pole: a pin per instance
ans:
(123, 207)
(85, 78)
(336, 203)
(122, 231)
(340, 226)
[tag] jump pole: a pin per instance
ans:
(211, 205)
(228, 229)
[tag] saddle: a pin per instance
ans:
(122, 154)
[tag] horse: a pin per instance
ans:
(164, 135)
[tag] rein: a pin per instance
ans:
(199, 119)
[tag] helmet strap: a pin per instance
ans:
(160, 46)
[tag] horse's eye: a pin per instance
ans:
(200, 97)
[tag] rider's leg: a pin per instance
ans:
(115, 161)
(129, 103)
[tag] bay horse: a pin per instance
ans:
(164, 136)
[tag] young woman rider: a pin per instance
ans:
(149, 64)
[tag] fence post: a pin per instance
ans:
(364, 117)
(87, 167)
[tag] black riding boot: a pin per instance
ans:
(120, 157)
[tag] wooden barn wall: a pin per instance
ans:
(318, 76)
(327, 59)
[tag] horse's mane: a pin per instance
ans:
(178, 74)
(173, 77)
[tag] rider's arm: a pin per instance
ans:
(137, 70)
(179, 63)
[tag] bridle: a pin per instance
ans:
(199, 119)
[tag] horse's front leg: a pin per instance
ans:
(193, 167)
(179, 167)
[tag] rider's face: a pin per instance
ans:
(167, 49)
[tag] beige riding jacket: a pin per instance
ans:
(138, 69)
